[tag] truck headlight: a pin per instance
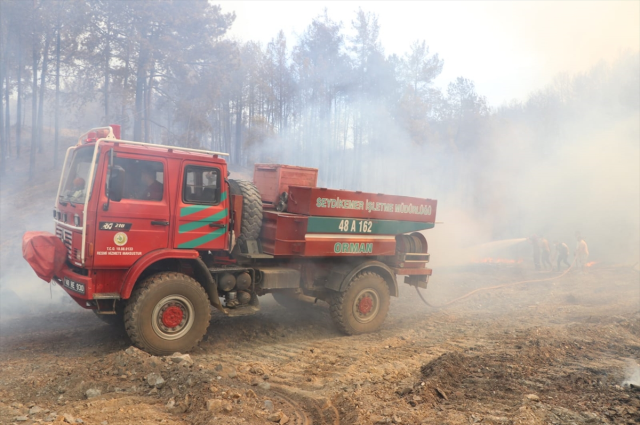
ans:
(76, 220)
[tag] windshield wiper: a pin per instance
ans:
(72, 204)
(63, 203)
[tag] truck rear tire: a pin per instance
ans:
(363, 306)
(168, 312)
(251, 220)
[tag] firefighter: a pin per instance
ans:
(535, 243)
(77, 192)
(582, 252)
(152, 189)
(546, 253)
(562, 252)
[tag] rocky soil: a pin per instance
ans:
(556, 352)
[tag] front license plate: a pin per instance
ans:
(74, 286)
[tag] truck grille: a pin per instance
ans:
(66, 237)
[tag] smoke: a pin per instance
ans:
(26, 206)
(563, 161)
(632, 374)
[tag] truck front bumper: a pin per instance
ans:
(79, 287)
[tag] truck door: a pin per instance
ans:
(139, 222)
(203, 214)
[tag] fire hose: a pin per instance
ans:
(506, 285)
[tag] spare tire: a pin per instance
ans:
(251, 219)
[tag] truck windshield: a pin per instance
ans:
(76, 176)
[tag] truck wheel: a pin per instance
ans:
(363, 306)
(168, 312)
(251, 220)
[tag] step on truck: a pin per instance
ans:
(150, 236)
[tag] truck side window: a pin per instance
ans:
(144, 180)
(201, 185)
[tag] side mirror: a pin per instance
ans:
(116, 183)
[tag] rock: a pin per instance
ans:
(214, 405)
(251, 394)
(265, 386)
(170, 403)
(232, 373)
(532, 397)
(16, 405)
(50, 418)
(178, 408)
(68, 418)
(35, 410)
(218, 367)
(256, 371)
(184, 359)
(236, 396)
(396, 420)
(405, 391)
(155, 361)
(135, 352)
(155, 380)
(275, 417)
(377, 419)
(21, 419)
(441, 393)
(284, 419)
(268, 405)
(79, 421)
(104, 423)
(227, 408)
(92, 392)
(154, 391)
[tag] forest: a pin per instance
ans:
(168, 72)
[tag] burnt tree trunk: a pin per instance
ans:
(43, 76)
(56, 134)
(3, 134)
(34, 111)
(140, 83)
(19, 98)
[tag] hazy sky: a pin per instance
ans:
(507, 48)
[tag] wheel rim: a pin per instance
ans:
(366, 305)
(172, 317)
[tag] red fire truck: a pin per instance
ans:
(152, 235)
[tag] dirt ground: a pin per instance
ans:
(554, 352)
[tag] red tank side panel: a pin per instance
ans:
(322, 202)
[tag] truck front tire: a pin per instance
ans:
(168, 312)
(363, 306)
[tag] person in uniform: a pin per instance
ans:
(535, 243)
(562, 252)
(582, 252)
(546, 253)
(152, 188)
